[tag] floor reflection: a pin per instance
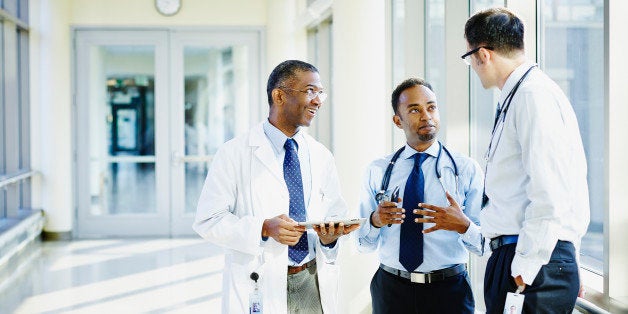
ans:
(129, 276)
(130, 188)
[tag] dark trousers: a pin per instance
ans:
(393, 294)
(554, 289)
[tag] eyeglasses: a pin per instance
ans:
(310, 93)
(472, 51)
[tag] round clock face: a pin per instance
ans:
(168, 7)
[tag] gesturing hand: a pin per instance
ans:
(283, 229)
(445, 218)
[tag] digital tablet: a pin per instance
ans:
(345, 221)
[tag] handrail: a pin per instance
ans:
(589, 307)
(20, 176)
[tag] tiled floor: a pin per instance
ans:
(117, 276)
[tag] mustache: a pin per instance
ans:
(428, 125)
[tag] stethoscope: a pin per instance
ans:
(500, 115)
(382, 196)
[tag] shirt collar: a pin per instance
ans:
(278, 139)
(408, 152)
(513, 79)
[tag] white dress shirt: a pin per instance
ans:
(441, 248)
(536, 173)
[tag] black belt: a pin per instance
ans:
(295, 269)
(430, 277)
(503, 240)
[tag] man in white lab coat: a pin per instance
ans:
(258, 185)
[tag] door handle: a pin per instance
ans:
(178, 158)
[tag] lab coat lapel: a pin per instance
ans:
(264, 152)
(315, 168)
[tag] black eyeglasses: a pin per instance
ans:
(472, 51)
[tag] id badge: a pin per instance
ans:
(514, 303)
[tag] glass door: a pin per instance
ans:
(215, 96)
(121, 121)
(152, 107)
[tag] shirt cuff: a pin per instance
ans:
(473, 235)
(264, 239)
(372, 231)
(526, 268)
(330, 245)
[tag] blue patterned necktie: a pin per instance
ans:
(292, 176)
(411, 236)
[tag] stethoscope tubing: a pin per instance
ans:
(393, 160)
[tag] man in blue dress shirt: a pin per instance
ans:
(422, 269)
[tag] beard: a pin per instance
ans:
(427, 137)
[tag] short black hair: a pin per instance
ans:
(411, 82)
(284, 72)
(497, 28)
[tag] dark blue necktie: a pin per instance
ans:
(411, 237)
(292, 176)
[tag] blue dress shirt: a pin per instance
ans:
(441, 248)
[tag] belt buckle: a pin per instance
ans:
(419, 278)
(496, 243)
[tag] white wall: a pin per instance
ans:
(361, 118)
(143, 13)
(51, 111)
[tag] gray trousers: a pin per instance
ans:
(303, 293)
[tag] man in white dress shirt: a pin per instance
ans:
(536, 205)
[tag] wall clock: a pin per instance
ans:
(168, 7)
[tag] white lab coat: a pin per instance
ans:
(244, 186)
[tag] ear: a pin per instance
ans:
(397, 121)
(484, 55)
(277, 96)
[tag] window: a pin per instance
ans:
(483, 101)
(435, 67)
(398, 43)
(14, 107)
(572, 54)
